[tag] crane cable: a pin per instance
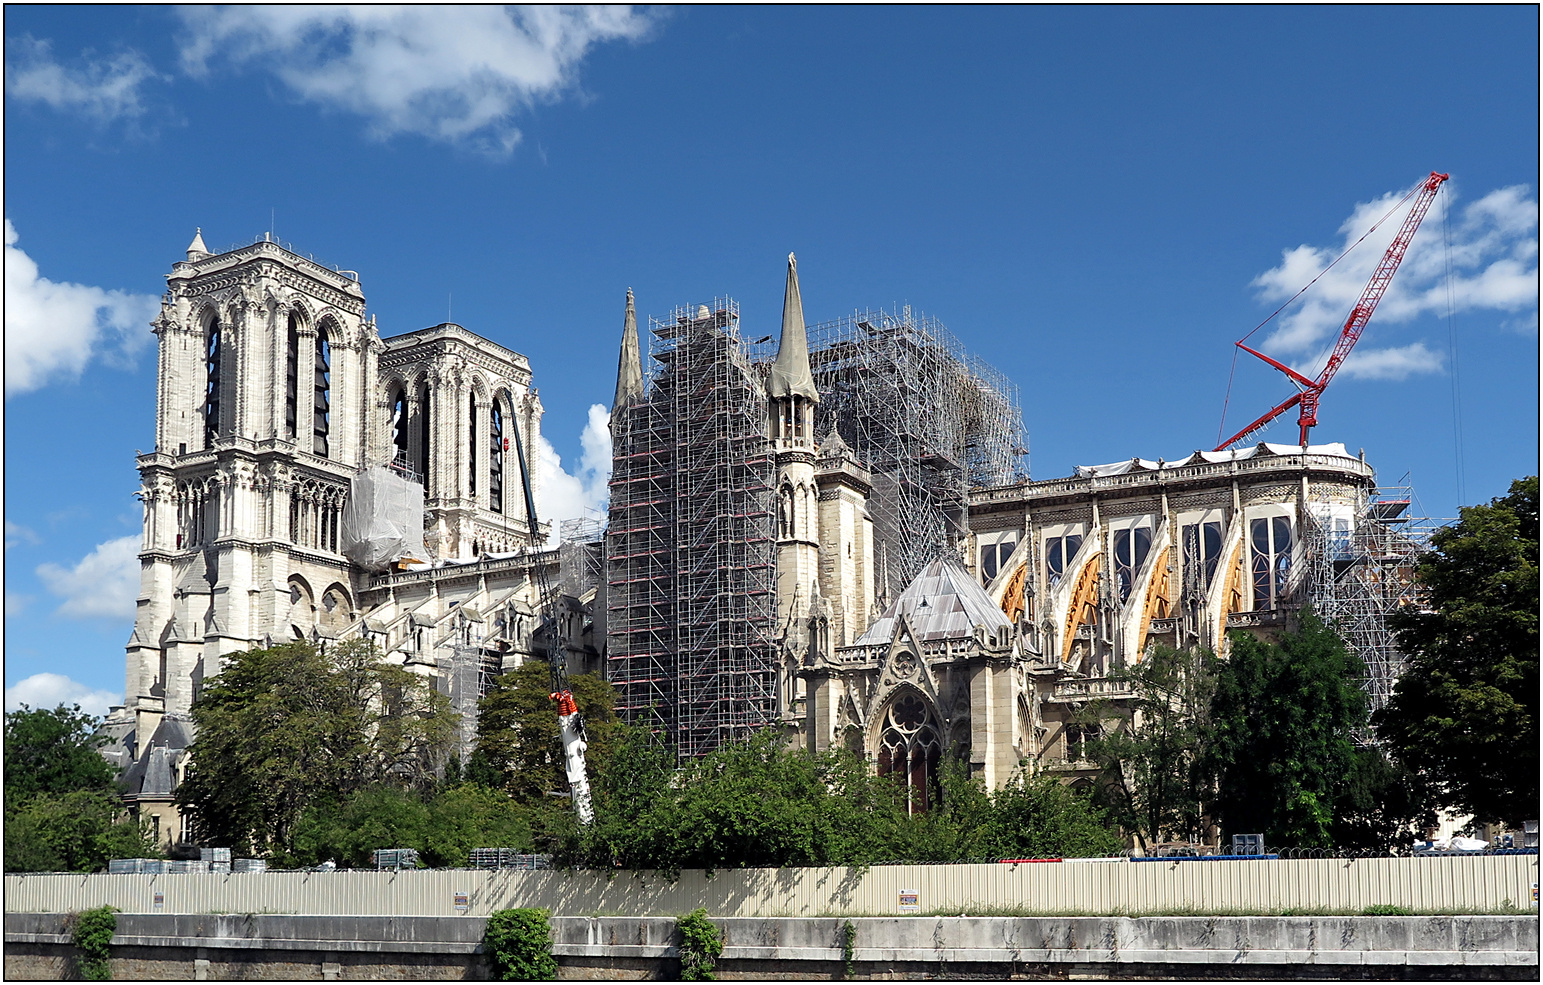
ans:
(1221, 429)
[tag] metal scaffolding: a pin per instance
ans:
(691, 554)
(928, 419)
(1362, 562)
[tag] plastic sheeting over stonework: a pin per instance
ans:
(1336, 448)
(383, 519)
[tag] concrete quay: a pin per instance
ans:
(233, 947)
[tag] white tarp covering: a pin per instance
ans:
(1336, 448)
(382, 520)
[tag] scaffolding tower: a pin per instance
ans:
(1362, 561)
(691, 551)
(928, 419)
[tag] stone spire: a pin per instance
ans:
(629, 367)
(790, 374)
(196, 249)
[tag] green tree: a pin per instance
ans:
(519, 743)
(1153, 747)
(54, 752)
(756, 803)
(467, 816)
(1379, 803)
(1285, 715)
(1464, 715)
(77, 831)
(285, 727)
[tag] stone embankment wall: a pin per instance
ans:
(230, 947)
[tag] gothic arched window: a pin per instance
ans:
(292, 379)
(399, 429)
(212, 387)
(909, 750)
(423, 436)
(496, 461)
(323, 386)
(476, 439)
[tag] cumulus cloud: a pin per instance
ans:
(52, 330)
(454, 74)
(1492, 247)
(102, 585)
(100, 88)
(586, 492)
(52, 690)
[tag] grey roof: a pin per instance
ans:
(158, 772)
(941, 602)
(153, 772)
(790, 375)
(629, 366)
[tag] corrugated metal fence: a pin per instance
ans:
(1449, 884)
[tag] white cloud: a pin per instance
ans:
(52, 690)
(586, 493)
(101, 88)
(53, 329)
(1494, 261)
(450, 73)
(15, 534)
(104, 584)
(1396, 363)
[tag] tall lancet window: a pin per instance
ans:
(399, 430)
(476, 439)
(212, 387)
(292, 379)
(323, 386)
(423, 435)
(496, 462)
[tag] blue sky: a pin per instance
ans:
(1097, 200)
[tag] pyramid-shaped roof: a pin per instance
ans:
(941, 602)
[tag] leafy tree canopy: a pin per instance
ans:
(756, 803)
(285, 727)
(1285, 716)
(519, 743)
(1153, 749)
(54, 752)
(77, 831)
(1464, 715)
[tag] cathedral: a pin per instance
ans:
(832, 539)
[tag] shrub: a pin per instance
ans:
(93, 934)
(1387, 910)
(700, 944)
(518, 944)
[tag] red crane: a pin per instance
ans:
(1310, 391)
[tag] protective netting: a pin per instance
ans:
(383, 519)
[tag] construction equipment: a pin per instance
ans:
(568, 718)
(1310, 391)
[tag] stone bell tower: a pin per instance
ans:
(264, 407)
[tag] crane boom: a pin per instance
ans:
(1310, 391)
(569, 721)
